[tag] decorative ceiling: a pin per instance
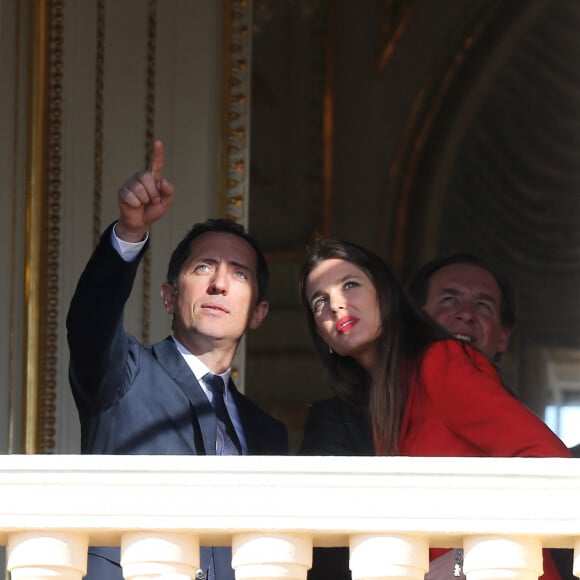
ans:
(514, 194)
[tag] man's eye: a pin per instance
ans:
(241, 275)
(485, 306)
(201, 268)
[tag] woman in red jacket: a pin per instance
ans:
(427, 392)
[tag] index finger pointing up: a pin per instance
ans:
(157, 160)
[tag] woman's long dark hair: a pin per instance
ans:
(406, 333)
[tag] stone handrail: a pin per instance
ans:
(273, 510)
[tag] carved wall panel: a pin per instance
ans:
(105, 80)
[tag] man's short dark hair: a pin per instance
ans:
(183, 250)
(418, 285)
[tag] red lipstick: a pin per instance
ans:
(345, 324)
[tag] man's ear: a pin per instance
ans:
(259, 314)
(168, 297)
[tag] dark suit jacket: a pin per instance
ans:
(142, 399)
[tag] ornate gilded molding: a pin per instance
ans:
(394, 18)
(149, 140)
(43, 226)
(34, 222)
(47, 395)
(15, 193)
(235, 115)
(234, 174)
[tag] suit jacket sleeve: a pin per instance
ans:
(465, 391)
(98, 345)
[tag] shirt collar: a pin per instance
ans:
(199, 369)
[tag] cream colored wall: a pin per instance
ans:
(13, 79)
(188, 71)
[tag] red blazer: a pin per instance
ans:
(457, 407)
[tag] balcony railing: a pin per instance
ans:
(273, 510)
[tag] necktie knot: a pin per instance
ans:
(215, 383)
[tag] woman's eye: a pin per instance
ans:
(350, 284)
(318, 304)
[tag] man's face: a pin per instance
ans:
(466, 300)
(215, 298)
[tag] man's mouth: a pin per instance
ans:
(464, 337)
(214, 306)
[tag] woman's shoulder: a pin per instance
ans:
(451, 346)
(452, 352)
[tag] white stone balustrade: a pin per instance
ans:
(273, 510)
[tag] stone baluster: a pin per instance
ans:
(171, 556)
(386, 557)
(38, 555)
(271, 556)
(505, 558)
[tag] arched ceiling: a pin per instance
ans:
(464, 139)
(513, 193)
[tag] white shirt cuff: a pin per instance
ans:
(127, 250)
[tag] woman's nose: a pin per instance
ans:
(336, 303)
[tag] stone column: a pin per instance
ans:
(385, 557)
(271, 556)
(169, 555)
(39, 555)
(492, 557)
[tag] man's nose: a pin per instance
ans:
(465, 311)
(219, 281)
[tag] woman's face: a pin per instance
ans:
(346, 310)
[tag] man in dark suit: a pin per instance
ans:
(162, 399)
(469, 298)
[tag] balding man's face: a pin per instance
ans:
(466, 300)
